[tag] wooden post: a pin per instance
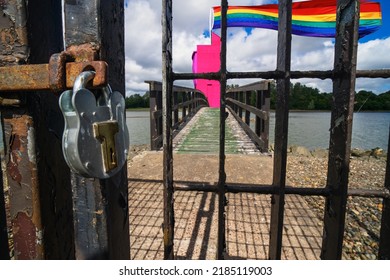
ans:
(100, 206)
(247, 102)
(266, 106)
(152, 110)
(235, 98)
(184, 98)
(155, 105)
(176, 111)
(188, 97)
(193, 103)
(259, 103)
(159, 119)
(240, 98)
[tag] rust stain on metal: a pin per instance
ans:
(74, 69)
(22, 35)
(24, 77)
(14, 159)
(17, 165)
(24, 188)
(28, 245)
(37, 77)
(57, 66)
(13, 32)
(17, 139)
(84, 52)
(20, 124)
(59, 74)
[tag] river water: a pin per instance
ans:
(309, 129)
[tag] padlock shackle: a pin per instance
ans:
(83, 79)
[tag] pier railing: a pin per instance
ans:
(239, 101)
(185, 103)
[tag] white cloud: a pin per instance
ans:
(184, 45)
(143, 33)
(245, 52)
(142, 44)
(257, 51)
(192, 17)
(138, 74)
(374, 54)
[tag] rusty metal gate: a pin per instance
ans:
(47, 211)
(336, 190)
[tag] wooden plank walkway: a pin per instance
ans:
(247, 217)
(201, 135)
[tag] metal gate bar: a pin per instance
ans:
(336, 191)
(281, 128)
(221, 248)
(347, 32)
(167, 86)
(267, 189)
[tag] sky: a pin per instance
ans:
(246, 51)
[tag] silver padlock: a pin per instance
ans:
(96, 140)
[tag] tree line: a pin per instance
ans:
(137, 101)
(302, 98)
(307, 98)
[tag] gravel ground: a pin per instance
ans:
(363, 214)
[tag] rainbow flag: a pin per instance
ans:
(315, 18)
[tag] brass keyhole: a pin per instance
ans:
(105, 133)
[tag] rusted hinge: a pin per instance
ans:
(59, 74)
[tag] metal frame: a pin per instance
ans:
(336, 190)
